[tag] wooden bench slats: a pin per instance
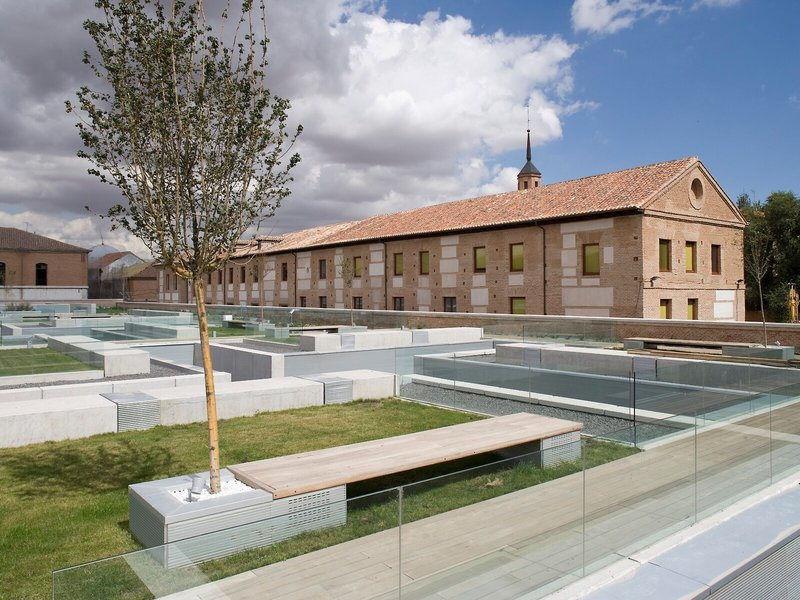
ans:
(320, 469)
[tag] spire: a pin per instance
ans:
(529, 177)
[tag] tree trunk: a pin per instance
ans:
(211, 397)
(763, 316)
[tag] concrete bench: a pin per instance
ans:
(331, 467)
(114, 360)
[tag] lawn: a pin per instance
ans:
(26, 361)
(65, 503)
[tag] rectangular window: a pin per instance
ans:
(323, 302)
(208, 277)
(284, 271)
(517, 257)
(323, 268)
(230, 274)
(664, 255)
(242, 274)
(302, 301)
(399, 303)
(716, 259)
(357, 265)
(517, 306)
(691, 309)
(449, 304)
(41, 273)
(424, 262)
(219, 276)
(358, 302)
(691, 257)
(591, 259)
(665, 309)
(479, 259)
(398, 264)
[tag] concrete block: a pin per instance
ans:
(20, 394)
(320, 342)
(447, 335)
(383, 338)
(239, 399)
(72, 389)
(369, 384)
(125, 362)
(773, 352)
(33, 421)
(243, 363)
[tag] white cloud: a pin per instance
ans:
(717, 3)
(399, 114)
(395, 114)
(610, 16)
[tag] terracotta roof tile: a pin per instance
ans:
(16, 239)
(631, 189)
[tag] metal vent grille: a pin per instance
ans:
(561, 448)
(337, 389)
(135, 410)
(775, 577)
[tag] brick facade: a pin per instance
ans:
(606, 264)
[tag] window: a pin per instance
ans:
(242, 274)
(449, 304)
(230, 274)
(517, 306)
(284, 271)
(303, 302)
(399, 303)
(255, 273)
(357, 265)
(664, 255)
(398, 264)
(517, 257)
(424, 262)
(41, 273)
(208, 278)
(591, 259)
(665, 309)
(323, 268)
(716, 259)
(691, 257)
(691, 309)
(2, 273)
(323, 302)
(479, 259)
(219, 276)
(358, 302)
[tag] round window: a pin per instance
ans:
(696, 193)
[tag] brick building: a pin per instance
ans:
(34, 268)
(661, 240)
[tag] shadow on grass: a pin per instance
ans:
(68, 470)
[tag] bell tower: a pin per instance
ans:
(529, 177)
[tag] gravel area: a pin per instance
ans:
(156, 370)
(593, 424)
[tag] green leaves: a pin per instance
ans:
(182, 123)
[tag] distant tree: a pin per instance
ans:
(182, 123)
(347, 272)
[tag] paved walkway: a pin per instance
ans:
(534, 541)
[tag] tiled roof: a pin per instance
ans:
(631, 189)
(111, 257)
(16, 239)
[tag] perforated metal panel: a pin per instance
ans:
(337, 389)
(135, 410)
(561, 448)
(775, 577)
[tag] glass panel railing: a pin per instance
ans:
(269, 545)
(503, 529)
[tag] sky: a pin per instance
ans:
(406, 103)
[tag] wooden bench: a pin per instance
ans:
(286, 476)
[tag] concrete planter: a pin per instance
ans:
(199, 531)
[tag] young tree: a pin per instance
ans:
(347, 272)
(758, 260)
(182, 123)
